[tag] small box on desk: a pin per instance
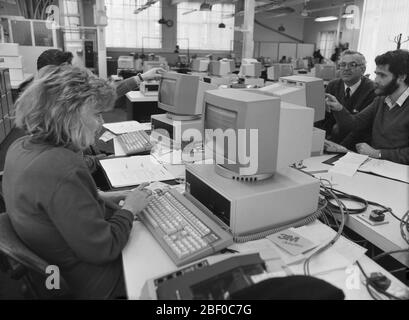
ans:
(9, 49)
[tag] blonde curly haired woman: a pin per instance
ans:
(53, 203)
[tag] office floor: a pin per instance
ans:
(11, 289)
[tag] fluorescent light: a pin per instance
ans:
(325, 19)
(348, 16)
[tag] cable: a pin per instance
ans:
(371, 284)
(384, 254)
(337, 236)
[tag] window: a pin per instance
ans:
(129, 30)
(71, 14)
(201, 27)
(382, 21)
(326, 43)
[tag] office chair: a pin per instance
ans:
(23, 264)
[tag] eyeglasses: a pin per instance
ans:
(351, 65)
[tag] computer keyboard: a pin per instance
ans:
(135, 142)
(183, 230)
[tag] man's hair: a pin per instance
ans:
(53, 57)
(60, 107)
(360, 56)
(398, 62)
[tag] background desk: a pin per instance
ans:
(390, 193)
(140, 107)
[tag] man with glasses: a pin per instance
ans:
(387, 117)
(353, 90)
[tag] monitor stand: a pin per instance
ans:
(174, 131)
(248, 208)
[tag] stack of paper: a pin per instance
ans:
(349, 164)
(387, 169)
(131, 171)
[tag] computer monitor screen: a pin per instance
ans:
(182, 94)
(167, 91)
(241, 129)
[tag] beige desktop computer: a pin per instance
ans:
(181, 95)
(200, 65)
(302, 91)
(265, 197)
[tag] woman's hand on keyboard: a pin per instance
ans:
(114, 196)
(138, 199)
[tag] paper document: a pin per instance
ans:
(387, 169)
(349, 164)
(125, 127)
(131, 171)
(107, 136)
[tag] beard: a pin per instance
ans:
(388, 89)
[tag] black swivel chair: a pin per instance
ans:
(21, 263)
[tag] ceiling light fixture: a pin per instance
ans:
(325, 19)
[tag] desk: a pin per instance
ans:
(140, 107)
(390, 193)
(143, 259)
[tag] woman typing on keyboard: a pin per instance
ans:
(50, 196)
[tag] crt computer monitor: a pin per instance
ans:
(300, 90)
(220, 68)
(252, 113)
(200, 64)
(278, 70)
(181, 95)
(325, 71)
(251, 70)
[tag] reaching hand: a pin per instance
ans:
(332, 103)
(153, 74)
(367, 150)
(138, 199)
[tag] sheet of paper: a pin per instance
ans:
(349, 164)
(130, 171)
(107, 136)
(292, 242)
(387, 169)
(265, 247)
(125, 127)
